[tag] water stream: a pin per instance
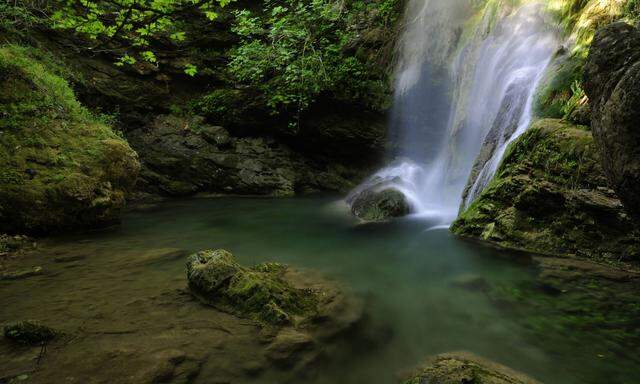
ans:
(463, 93)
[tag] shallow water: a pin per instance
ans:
(405, 272)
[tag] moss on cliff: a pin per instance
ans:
(550, 196)
(60, 167)
(560, 93)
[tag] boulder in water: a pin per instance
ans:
(270, 293)
(611, 78)
(299, 313)
(465, 367)
(261, 292)
(374, 205)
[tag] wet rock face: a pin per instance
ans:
(377, 205)
(611, 78)
(465, 367)
(183, 155)
(550, 196)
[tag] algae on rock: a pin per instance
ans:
(61, 167)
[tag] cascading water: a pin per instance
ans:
(461, 98)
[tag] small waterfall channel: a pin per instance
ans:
(465, 83)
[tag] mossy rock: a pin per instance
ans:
(465, 367)
(262, 292)
(372, 205)
(60, 167)
(29, 333)
(550, 196)
(14, 243)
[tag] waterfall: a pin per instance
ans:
(462, 94)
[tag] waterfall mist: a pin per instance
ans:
(461, 96)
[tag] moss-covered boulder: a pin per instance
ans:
(550, 196)
(60, 166)
(378, 205)
(261, 292)
(29, 333)
(612, 75)
(467, 368)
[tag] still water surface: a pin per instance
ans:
(406, 274)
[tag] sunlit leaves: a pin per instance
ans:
(133, 23)
(190, 69)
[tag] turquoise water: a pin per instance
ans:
(405, 273)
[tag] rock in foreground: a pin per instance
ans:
(300, 314)
(465, 368)
(270, 293)
(612, 75)
(550, 196)
(374, 205)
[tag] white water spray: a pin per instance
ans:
(458, 105)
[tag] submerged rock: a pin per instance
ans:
(465, 368)
(550, 196)
(29, 333)
(21, 274)
(612, 75)
(377, 205)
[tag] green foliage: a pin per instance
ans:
(18, 16)
(226, 106)
(556, 88)
(577, 99)
(51, 97)
(299, 49)
(632, 9)
(134, 24)
(560, 93)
